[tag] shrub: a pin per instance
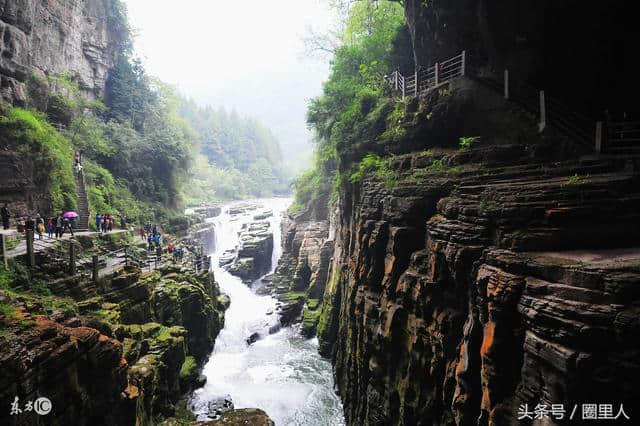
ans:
(466, 142)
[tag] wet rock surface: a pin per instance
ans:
(458, 295)
(253, 258)
(299, 280)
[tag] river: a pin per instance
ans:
(282, 373)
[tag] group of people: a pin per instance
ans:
(104, 222)
(150, 234)
(57, 225)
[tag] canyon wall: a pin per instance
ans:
(56, 37)
(482, 278)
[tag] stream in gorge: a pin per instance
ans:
(282, 373)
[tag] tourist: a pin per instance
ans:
(6, 214)
(98, 221)
(59, 223)
(39, 226)
(110, 224)
(50, 227)
(150, 242)
(103, 222)
(67, 226)
(142, 232)
(123, 222)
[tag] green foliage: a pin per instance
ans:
(352, 107)
(311, 187)
(395, 120)
(31, 136)
(376, 166)
(240, 156)
(466, 142)
(577, 180)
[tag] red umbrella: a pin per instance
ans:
(70, 215)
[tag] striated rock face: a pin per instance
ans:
(80, 370)
(300, 277)
(484, 278)
(462, 295)
(39, 38)
(123, 353)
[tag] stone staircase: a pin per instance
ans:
(82, 222)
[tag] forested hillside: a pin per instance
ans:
(142, 143)
(354, 104)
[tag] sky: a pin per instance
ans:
(243, 55)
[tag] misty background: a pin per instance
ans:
(245, 56)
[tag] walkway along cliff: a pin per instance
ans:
(493, 266)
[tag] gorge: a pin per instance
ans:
(464, 250)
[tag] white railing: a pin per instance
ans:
(424, 79)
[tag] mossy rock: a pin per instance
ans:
(313, 304)
(223, 301)
(309, 322)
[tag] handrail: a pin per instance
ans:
(616, 135)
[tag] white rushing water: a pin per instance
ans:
(282, 373)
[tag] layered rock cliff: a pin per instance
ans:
(59, 37)
(482, 278)
(120, 351)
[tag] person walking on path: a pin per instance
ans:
(51, 227)
(142, 232)
(39, 226)
(110, 223)
(59, 223)
(98, 222)
(6, 214)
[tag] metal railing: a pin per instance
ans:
(602, 136)
(424, 79)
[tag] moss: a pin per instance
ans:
(291, 297)
(309, 322)
(312, 304)
(31, 136)
(189, 367)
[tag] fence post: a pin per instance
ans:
(506, 84)
(72, 258)
(416, 77)
(31, 258)
(95, 270)
(395, 78)
(3, 250)
(436, 68)
(403, 87)
(598, 137)
(543, 113)
(464, 63)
